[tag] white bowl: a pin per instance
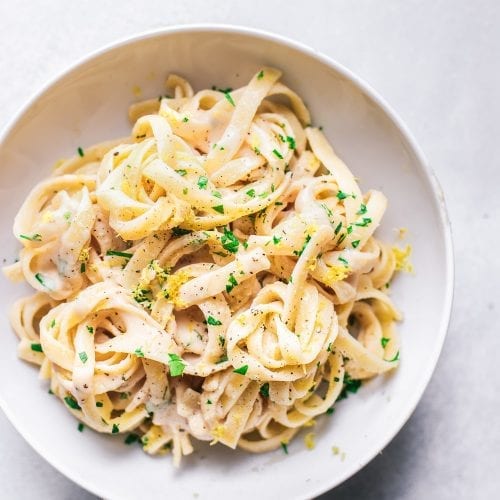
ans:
(88, 104)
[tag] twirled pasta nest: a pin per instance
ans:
(214, 275)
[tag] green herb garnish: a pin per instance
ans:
(366, 221)
(138, 352)
(264, 390)
(81, 427)
(384, 341)
(202, 182)
(229, 97)
(260, 75)
(83, 357)
(291, 142)
(181, 172)
(213, 322)
(80, 152)
(276, 239)
(219, 208)
(115, 429)
(277, 154)
(301, 251)
(176, 365)
(117, 253)
(72, 403)
(242, 370)
(131, 438)
(251, 193)
(362, 209)
(231, 283)
(355, 244)
(34, 237)
(229, 241)
(284, 446)
(36, 347)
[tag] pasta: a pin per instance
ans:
(213, 276)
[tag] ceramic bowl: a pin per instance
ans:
(88, 104)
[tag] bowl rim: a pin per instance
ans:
(366, 88)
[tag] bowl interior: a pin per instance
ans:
(89, 104)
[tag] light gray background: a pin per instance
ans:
(437, 63)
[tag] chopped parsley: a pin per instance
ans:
(341, 195)
(277, 154)
(36, 347)
(33, 237)
(264, 390)
(344, 261)
(176, 365)
(366, 221)
(260, 75)
(40, 280)
(99, 404)
(231, 283)
(384, 341)
(185, 119)
(209, 402)
(83, 267)
(251, 193)
(90, 329)
(222, 340)
(181, 172)
(115, 429)
(291, 142)
(72, 403)
(202, 182)
(330, 411)
(229, 241)
(117, 253)
(219, 208)
(185, 191)
(229, 97)
(355, 244)
(81, 427)
(329, 348)
(350, 385)
(213, 322)
(301, 251)
(131, 438)
(256, 150)
(338, 228)
(217, 194)
(284, 446)
(53, 323)
(83, 357)
(242, 370)
(139, 353)
(179, 231)
(276, 239)
(223, 359)
(362, 209)
(80, 152)
(395, 358)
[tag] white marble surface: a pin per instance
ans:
(437, 63)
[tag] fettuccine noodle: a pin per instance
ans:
(212, 276)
